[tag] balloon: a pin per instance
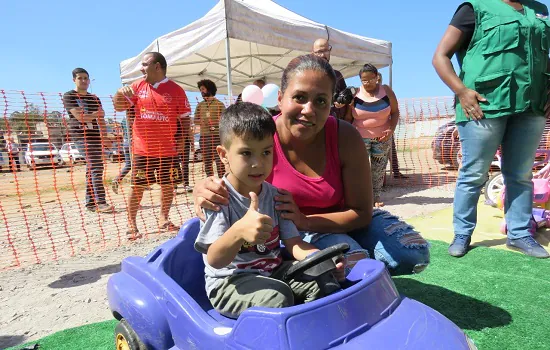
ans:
(253, 94)
(270, 92)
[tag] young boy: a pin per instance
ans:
(240, 243)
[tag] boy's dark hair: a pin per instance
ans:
(158, 58)
(246, 120)
(368, 68)
(78, 71)
(209, 85)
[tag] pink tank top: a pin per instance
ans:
(318, 195)
(371, 115)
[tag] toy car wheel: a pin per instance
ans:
(318, 267)
(126, 338)
(493, 188)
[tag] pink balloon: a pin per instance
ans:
(253, 94)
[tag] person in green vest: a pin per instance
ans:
(500, 94)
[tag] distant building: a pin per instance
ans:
(55, 132)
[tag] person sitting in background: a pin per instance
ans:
(207, 116)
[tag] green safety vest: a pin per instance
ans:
(506, 61)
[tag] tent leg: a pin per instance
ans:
(228, 64)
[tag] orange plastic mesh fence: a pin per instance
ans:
(42, 206)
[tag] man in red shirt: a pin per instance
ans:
(159, 105)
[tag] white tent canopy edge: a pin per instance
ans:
(239, 41)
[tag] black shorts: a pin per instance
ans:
(149, 170)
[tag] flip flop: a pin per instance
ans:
(168, 227)
(133, 234)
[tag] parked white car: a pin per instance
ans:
(42, 153)
(70, 153)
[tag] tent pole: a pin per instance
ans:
(391, 66)
(228, 64)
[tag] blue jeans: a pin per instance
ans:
(127, 164)
(95, 191)
(387, 239)
(519, 136)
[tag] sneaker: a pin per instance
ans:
(460, 245)
(114, 186)
(188, 188)
(528, 246)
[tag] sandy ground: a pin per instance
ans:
(43, 220)
(41, 299)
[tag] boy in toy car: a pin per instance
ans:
(240, 243)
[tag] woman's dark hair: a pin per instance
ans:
(304, 63)
(368, 68)
(245, 120)
(209, 85)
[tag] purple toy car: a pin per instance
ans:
(161, 303)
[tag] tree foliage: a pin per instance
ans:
(25, 121)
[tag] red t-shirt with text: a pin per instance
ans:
(157, 110)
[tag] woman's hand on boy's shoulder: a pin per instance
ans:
(289, 209)
(209, 194)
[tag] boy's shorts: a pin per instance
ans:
(149, 170)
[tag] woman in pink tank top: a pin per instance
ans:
(375, 114)
(322, 170)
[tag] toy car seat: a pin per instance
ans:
(186, 267)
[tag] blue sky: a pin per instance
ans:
(45, 40)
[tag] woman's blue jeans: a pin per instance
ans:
(387, 239)
(519, 136)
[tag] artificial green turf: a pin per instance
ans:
(96, 336)
(501, 299)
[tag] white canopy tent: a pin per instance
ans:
(239, 41)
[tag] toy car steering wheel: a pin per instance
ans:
(318, 267)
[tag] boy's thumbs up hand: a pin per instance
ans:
(255, 227)
(254, 205)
